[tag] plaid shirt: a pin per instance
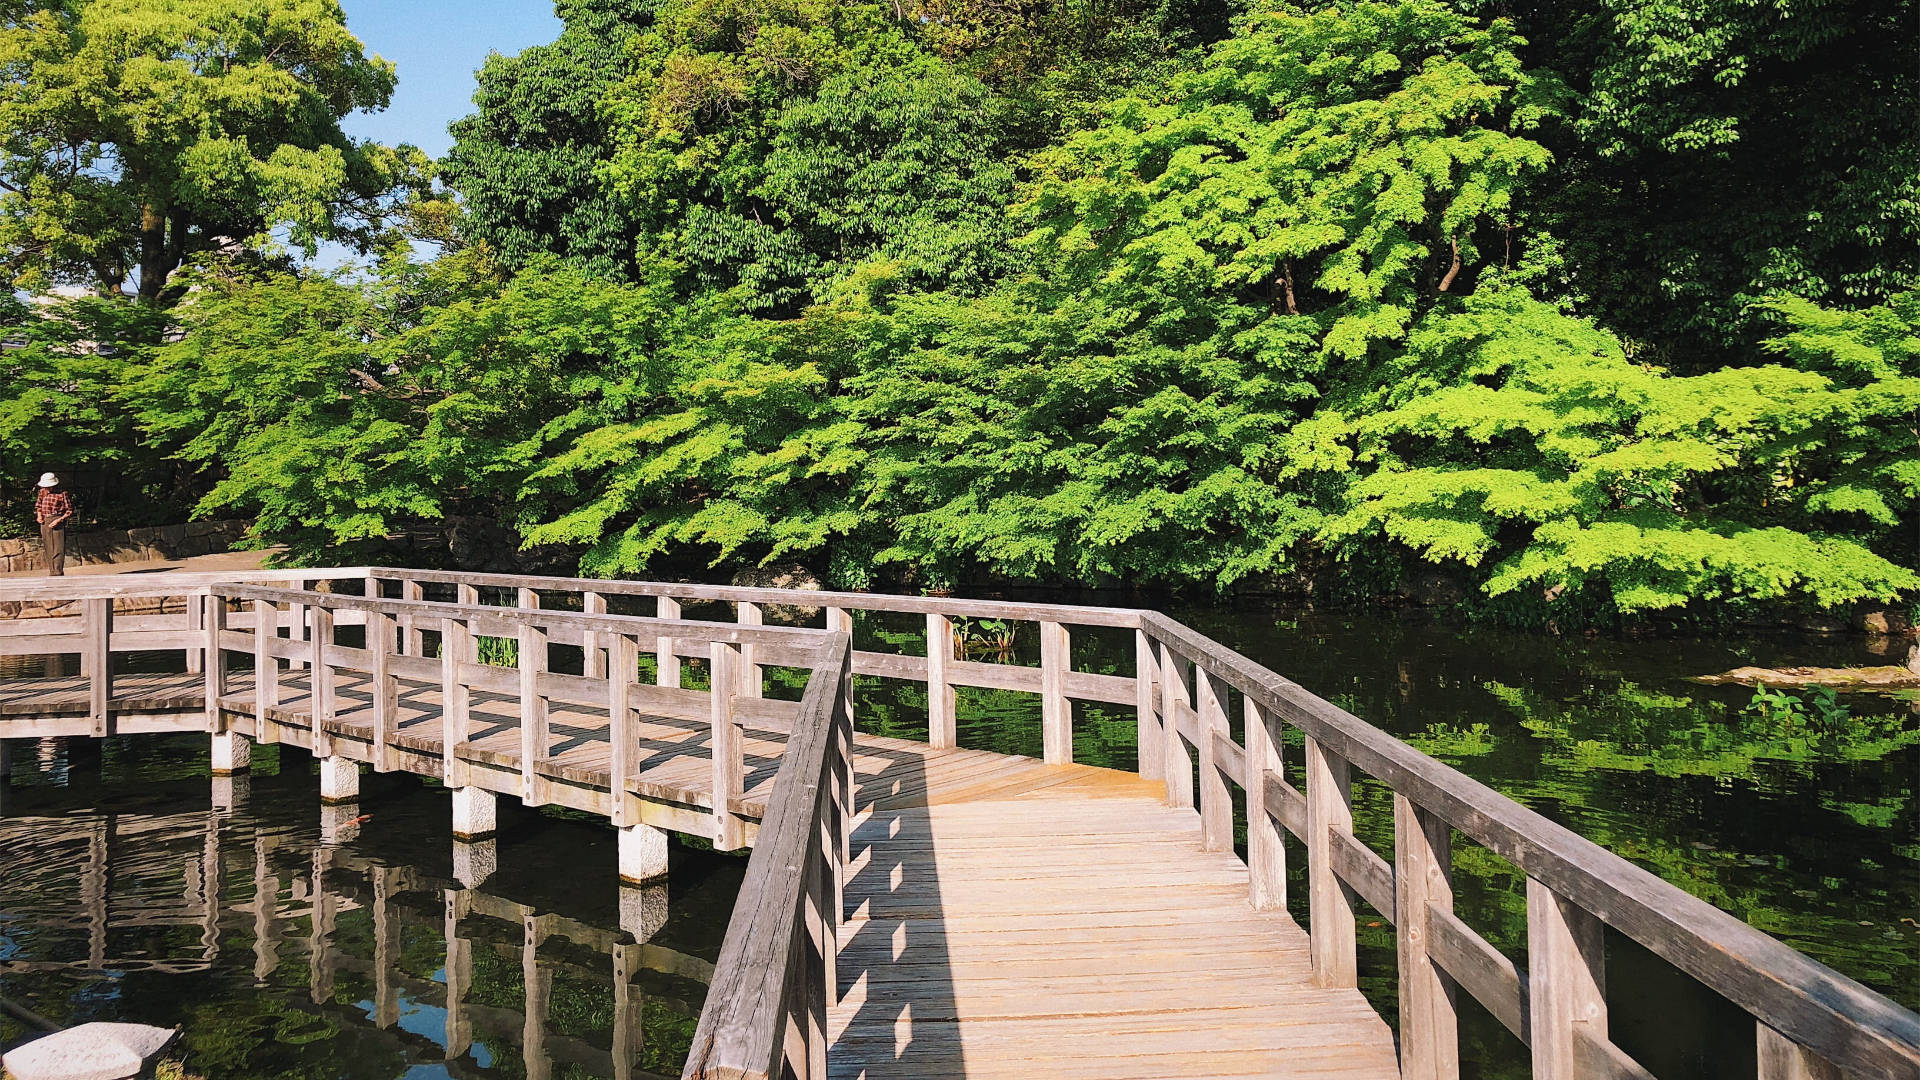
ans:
(49, 503)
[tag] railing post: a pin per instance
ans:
(624, 655)
(266, 671)
(1423, 880)
(1266, 848)
(456, 649)
(320, 626)
(386, 690)
(666, 659)
(1781, 1058)
(1216, 800)
(214, 673)
(1152, 757)
(942, 701)
(593, 649)
(1056, 712)
(196, 623)
(296, 623)
(1566, 981)
(729, 768)
(96, 659)
(751, 679)
(1177, 768)
(533, 709)
(1329, 900)
(412, 635)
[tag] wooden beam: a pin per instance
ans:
(623, 669)
(320, 629)
(942, 702)
(213, 614)
(594, 645)
(667, 660)
(96, 659)
(1423, 881)
(1178, 768)
(1266, 847)
(456, 699)
(381, 639)
(1330, 902)
(1780, 1058)
(1056, 712)
(266, 671)
(1216, 799)
(533, 711)
(413, 635)
(752, 679)
(1151, 756)
(1567, 980)
(729, 773)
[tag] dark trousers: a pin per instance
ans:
(53, 541)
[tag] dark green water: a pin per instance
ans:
(108, 850)
(1808, 830)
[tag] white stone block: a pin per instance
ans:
(643, 854)
(97, 1051)
(232, 753)
(475, 813)
(339, 780)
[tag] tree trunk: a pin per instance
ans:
(156, 261)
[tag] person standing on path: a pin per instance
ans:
(52, 508)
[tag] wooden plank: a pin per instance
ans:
(456, 698)
(1216, 799)
(213, 619)
(1330, 902)
(624, 668)
(1146, 707)
(667, 659)
(1056, 711)
(1423, 880)
(533, 708)
(1178, 767)
(266, 672)
(1600, 1059)
(322, 678)
(729, 780)
(594, 645)
(942, 702)
(381, 639)
(1266, 848)
(96, 662)
(1567, 981)
(412, 633)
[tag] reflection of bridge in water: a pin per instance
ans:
(154, 872)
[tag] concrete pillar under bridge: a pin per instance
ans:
(339, 780)
(231, 753)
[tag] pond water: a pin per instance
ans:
(1804, 825)
(333, 936)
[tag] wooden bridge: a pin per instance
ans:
(921, 909)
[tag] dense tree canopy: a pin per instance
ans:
(1598, 310)
(137, 133)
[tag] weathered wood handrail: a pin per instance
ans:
(766, 1010)
(1808, 1017)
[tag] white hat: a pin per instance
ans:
(47, 479)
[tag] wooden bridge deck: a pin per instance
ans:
(1004, 917)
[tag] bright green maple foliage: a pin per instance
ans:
(140, 132)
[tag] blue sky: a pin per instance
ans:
(437, 45)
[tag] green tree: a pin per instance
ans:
(528, 162)
(1722, 152)
(136, 133)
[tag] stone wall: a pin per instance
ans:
(155, 544)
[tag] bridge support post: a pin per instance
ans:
(339, 780)
(475, 814)
(232, 753)
(643, 854)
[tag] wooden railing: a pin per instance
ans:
(770, 989)
(766, 1012)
